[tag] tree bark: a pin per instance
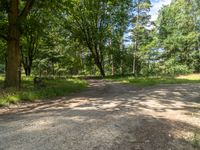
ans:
(98, 59)
(134, 59)
(27, 71)
(112, 64)
(101, 70)
(13, 51)
(100, 67)
(13, 67)
(27, 64)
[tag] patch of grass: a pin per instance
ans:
(195, 140)
(54, 88)
(150, 81)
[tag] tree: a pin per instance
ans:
(30, 40)
(90, 21)
(178, 32)
(16, 16)
(140, 32)
(116, 48)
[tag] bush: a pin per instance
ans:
(171, 67)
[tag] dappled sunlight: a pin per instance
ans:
(120, 114)
(99, 75)
(86, 108)
(189, 77)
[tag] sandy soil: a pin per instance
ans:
(106, 116)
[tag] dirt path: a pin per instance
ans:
(106, 116)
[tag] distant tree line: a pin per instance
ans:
(89, 37)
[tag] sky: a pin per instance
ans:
(156, 5)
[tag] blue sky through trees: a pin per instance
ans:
(156, 5)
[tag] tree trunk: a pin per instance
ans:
(27, 64)
(97, 60)
(134, 60)
(135, 71)
(113, 68)
(101, 70)
(27, 71)
(121, 60)
(13, 50)
(100, 67)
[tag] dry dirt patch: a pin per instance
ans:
(106, 116)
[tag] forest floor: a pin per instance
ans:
(107, 116)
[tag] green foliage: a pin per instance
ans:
(172, 67)
(87, 37)
(178, 33)
(93, 23)
(2, 51)
(195, 140)
(140, 34)
(54, 88)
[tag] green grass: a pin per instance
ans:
(54, 88)
(195, 140)
(150, 81)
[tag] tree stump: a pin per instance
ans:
(38, 82)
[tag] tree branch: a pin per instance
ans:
(26, 9)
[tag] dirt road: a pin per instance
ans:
(106, 116)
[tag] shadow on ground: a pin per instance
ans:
(107, 116)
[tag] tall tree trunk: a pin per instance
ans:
(101, 70)
(13, 50)
(113, 68)
(98, 60)
(13, 67)
(134, 59)
(121, 50)
(100, 67)
(27, 64)
(135, 68)
(198, 48)
(27, 70)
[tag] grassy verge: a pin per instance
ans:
(142, 81)
(53, 88)
(195, 140)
